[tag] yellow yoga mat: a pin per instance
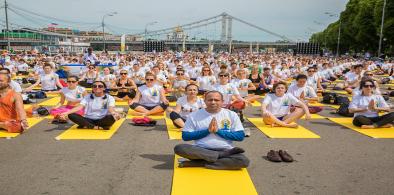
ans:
(172, 104)
(31, 121)
(202, 181)
(121, 103)
(53, 94)
(374, 133)
(338, 92)
(173, 132)
(256, 104)
(315, 116)
(51, 102)
(90, 134)
(282, 132)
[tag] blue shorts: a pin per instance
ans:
(281, 118)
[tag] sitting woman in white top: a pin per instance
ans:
(366, 107)
(229, 91)
(73, 94)
(305, 93)
(99, 110)
(206, 80)
(213, 130)
(49, 80)
(186, 105)
(276, 108)
(244, 85)
(150, 98)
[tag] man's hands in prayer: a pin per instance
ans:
(213, 126)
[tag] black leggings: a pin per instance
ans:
(378, 121)
(105, 122)
(174, 116)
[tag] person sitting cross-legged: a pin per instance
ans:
(150, 98)
(213, 129)
(99, 110)
(366, 107)
(276, 108)
(186, 105)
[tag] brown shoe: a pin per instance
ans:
(285, 156)
(273, 156)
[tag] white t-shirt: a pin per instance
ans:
(73, 95)
(193, 72)
(206, 82)
(296, 91)
(227, 120)
(242, 83)
(279, 106)
(16, 86)
(23, 67)
(107, 79)
(188, 108)
(150, 96)
(97, 107)
(361, 101)
(227, 91)
(48, 81)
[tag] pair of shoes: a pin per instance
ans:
(279, 156)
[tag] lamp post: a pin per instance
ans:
(146, 28)
(339, 29)
(103, 25)
(381, 29)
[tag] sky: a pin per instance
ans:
(295, 19)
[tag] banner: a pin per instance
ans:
(122, 43)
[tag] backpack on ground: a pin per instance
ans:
(343, 110)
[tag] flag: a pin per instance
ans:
(122, 43)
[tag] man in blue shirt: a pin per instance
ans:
(213, 130)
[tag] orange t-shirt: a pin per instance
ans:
(7, 107)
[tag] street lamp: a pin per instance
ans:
(146, 28)
(339, 29)
(381, 29)
(103, 25)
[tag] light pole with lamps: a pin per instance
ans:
(339, 29)
(146, 28)
(381, 29)
(103, 25)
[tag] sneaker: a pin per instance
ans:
(273, 156)
(285, 156)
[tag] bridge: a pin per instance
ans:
(216, 30)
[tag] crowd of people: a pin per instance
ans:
(211, 91)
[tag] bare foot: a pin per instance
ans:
(96, 127)
(387, 126)
(367, 127)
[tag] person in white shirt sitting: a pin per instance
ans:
(186, 105)
(49, 80)
(99, 109)
(150, 98)
(275, 108)
(366, 107)
(73, 94)
(305, 93)
(213, 130)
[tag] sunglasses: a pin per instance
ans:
(72, 81)
(123, 73)
(369, 74)
(206, 70)
(222, 75)
(311, 71)
(91, 68)
(369, 86)
(179, 74)
(149, 79)
(98, 86)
